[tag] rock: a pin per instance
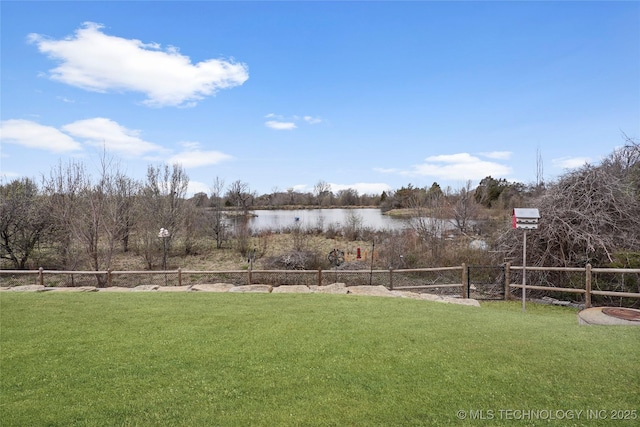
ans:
(30, 288)
(215, 287)
(334, 288)
(405, 294)
(291, 289)
(252, 289)
(145, 288)
(379, 291)
(75, 289)
(114, 289)
(174, 288)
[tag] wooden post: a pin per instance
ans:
(507, 280)
(41, 276)
(524, 270)
(249, 275)
(465, 279)
(179, 276)
(109, 277)
(319, 276)
(587, 283)
(390, 278)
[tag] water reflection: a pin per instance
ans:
(278, 220)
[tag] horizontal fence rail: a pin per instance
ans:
(584, 281)
(442, 279)
(588, 281)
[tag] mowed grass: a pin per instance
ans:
(200, 359)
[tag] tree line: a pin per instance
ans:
(74, 219)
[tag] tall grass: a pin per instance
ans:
(249, 359)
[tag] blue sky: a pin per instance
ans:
(367, 95)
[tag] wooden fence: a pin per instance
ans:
(438, 279)
(588, 290)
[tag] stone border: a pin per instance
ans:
(595, 316)
(334, 288)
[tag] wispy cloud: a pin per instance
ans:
(312, 120)
(193, 157)
(570, 162)
(277, 125)
(459, 167)
(34, 135)
(280, 122)
(386, 170)
(498, 155)
(103, 132)
(99, 62)
(195, 187)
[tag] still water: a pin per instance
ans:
(323, 218)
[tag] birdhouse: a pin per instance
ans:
(525, 218)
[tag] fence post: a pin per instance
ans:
(465, 280)
(391, 278)
(507, 281)
(109, 277)
(587, 283)
(249, 271)
(319, 276)
(41, 276)
(179, 276)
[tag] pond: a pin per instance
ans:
(323, 218)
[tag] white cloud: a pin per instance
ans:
(98, 62)
(67, 100)
(279, 122)
(34, 135)
(312, 120)
(386, 170)
(498, 155)
(197, 187)
(195, 158)
(460, 166)
(102, 132)
(190, 145)
(277, 125)
(570, 162)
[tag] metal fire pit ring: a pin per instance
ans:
(622, 313)
(609, 316)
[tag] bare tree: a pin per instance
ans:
(348, 197)
(63, 188)
(98, 223)
(23, 220)
(589, 215)
(539, 169)
(321, 191)
(240, 196)
(353, 226)
(161, 205)
(125, 193)
(219, 227)
(429, 220)
(463, 207)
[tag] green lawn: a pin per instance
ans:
(205, 359)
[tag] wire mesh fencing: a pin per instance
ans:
(609, 286)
